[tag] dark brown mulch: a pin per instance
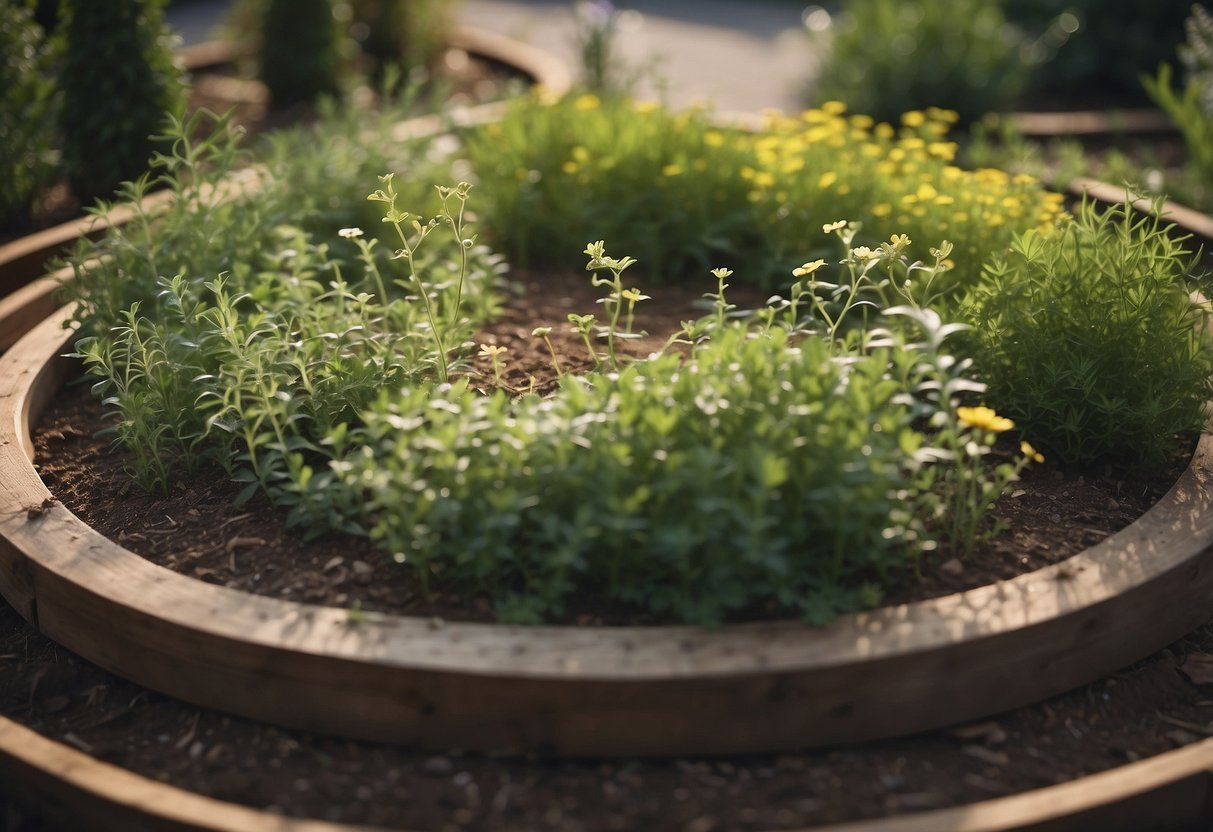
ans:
(1148, 708)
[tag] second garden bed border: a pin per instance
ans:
(591, 691)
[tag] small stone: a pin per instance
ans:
(952, 567)
(986, 755)
(701, 824)
(333, 563)
(1113, 505)
(362, 571)
(990, 733)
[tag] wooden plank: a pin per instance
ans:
(1092, 122)
(544, 69)
(28, 306)
(1170, 791)
(25, 258)
(108, 797)
(1186, 218)
(604, 691)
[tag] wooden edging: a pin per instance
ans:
(104, 796)
(1169, 791)
(591, 691)
(1091, 123)
(1182, 216)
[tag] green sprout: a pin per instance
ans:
(545, 333)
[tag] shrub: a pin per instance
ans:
(1088, 338)
(118, 82)
(1103, 45)
(684, 195)
(888, 56)
(689, 488)
(411, 33)
(299, 57)
(234, 334)
(27, 111)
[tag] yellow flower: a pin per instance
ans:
(713, 138)
(827, 179)
(881, 209)
(589, 101)
(831, 227)
(671, 170)
(900, 240)
(1031, 453)
(569, 167)
(492, 351)
(808, 268)
(983, 418)
(914, 118)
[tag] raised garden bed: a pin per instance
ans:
(628, 691)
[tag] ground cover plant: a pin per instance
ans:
(797, 460)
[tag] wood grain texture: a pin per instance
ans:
(106, 797)
(1091, 122)
(599, 691)
(1171, 791)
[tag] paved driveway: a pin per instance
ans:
(743, 55)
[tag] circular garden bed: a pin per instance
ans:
(618, 691)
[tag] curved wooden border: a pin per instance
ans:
(1091, 122)
(108, 797)
(582, 691)
(1172, 790)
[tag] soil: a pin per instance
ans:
(1144, 710)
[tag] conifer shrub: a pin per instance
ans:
(118, 81)
(27, 115)
(300, 50)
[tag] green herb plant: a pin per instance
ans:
(686, 195)
(1088, 338)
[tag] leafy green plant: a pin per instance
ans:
(409, 33)
(265, 340)
(27, 111)
(118, 82)
(1088, 339)
(888, 56)
(686, 195)
(1190, 109)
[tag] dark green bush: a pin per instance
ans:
(1088, 339)
(118, 81)
(27, 112)
(412, 33)
(1114, 43)
(300, 56)
(889, 56)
